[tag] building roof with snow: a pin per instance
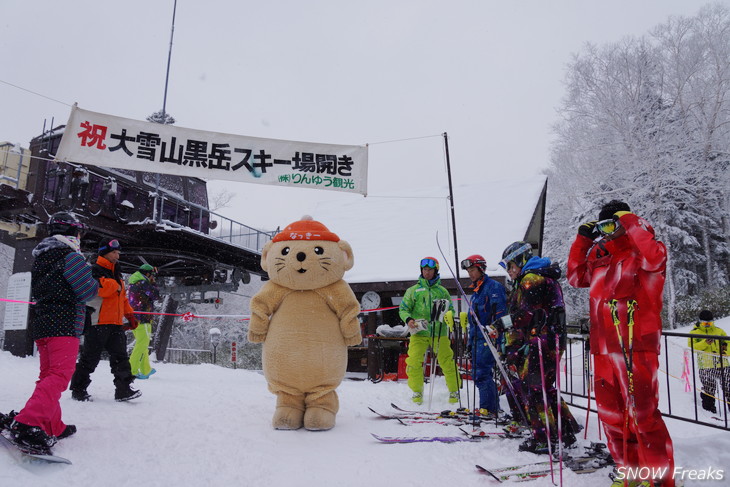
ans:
(389, 235)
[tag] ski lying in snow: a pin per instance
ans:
(414, 415)
(595, 458)
(466, 414)
(460, 411)
(523, 476)
(480, 433)
(573, 463)
(23, 453)
(407, 418)
(423, 439)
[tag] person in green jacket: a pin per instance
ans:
(142, 295)
(416, 312)
(712, 359)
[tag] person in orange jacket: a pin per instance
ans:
(106, 328)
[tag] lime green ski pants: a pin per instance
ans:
(140, 357)
(445, 356)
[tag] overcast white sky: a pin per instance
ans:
(346, 72)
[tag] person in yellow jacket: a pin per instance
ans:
(106, 330)
(416, 311)
(712, 359)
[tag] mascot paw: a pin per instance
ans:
(287, 419)
(256, 337)
(318, 419)
(354, 340)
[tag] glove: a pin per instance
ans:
(449, 320)
(589, 230)
(619, 214)
(492, 332)
(502, 324)
(133, 324)
(421, 325)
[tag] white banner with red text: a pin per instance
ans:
(108, 141)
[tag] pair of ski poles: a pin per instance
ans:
(439, 307)
(631, 306)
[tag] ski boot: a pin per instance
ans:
(620, 482)
(68, 431)
(80, 395)
(454, 397)
(127, 394)
(7, 419)
(32, 437)
(532, 446)
(145, 376)
(515, 428)
(417, 398)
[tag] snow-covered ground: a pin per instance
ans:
(203, 425)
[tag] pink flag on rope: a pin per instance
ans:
(686, 373)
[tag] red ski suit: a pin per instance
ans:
(629, 268)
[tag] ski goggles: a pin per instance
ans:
(429, 262)
(110, 246)
(512, 255)
(608, 227)
(466, 263)
(707, 323)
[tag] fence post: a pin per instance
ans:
(694, 378)
(666, 361)
(233, 354)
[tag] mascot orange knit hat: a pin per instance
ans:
(305, 229)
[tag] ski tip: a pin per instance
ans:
(487, 472)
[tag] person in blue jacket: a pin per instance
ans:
(488, 303)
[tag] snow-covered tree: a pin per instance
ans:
(647, 120)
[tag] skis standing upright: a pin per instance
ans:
(488, 340)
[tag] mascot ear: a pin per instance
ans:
(264, 253)
(349, 258)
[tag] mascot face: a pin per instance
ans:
(306, 264)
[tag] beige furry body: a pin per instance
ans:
(306, 317)
(305, 351)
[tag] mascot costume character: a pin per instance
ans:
(306, 317)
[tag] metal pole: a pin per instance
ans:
(453, 214)
(164, 102)
(169, 57)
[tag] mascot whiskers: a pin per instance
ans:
(306, 316)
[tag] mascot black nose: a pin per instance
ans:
(301, 256)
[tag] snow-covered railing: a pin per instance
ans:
(210, 223)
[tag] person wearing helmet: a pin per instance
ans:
(416, 307)
(61, 284)
(143, 293)
(107, 330)
(537, 311)
(619, 258)
(487, 304)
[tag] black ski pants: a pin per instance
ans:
(97, 339)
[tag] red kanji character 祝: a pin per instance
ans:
(92, 135)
